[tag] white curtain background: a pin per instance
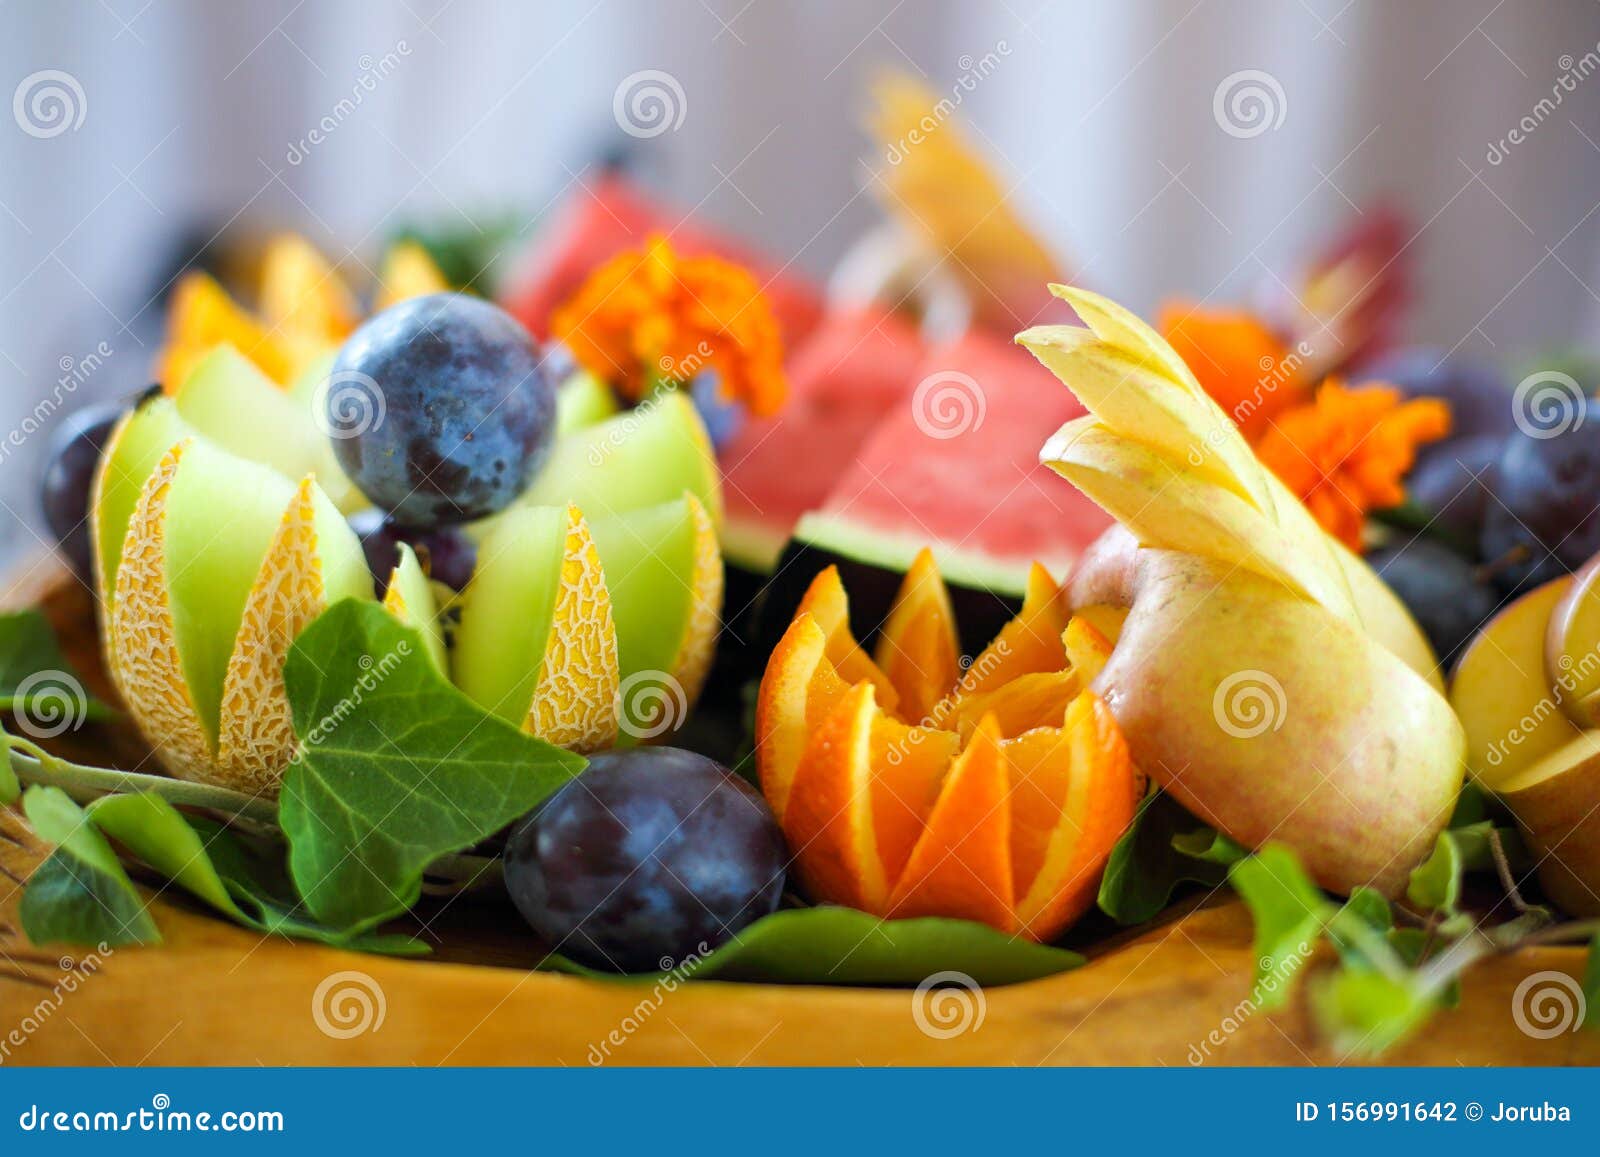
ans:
(1099, 114)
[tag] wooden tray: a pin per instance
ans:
(1176, 993)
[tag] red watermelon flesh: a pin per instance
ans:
(979, 497)
(857, 367)
(610, 217)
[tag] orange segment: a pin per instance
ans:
(1040, 763)
(1098, 806)
(825, 601)
(908, 769)
(828, 821)
(961, 866)
(1028, 701)
(781, 708)
(1029, 643)
(203, 317)
(917, 649)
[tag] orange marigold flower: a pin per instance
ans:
(1347, 450)
(651, 318)
(1238, 361)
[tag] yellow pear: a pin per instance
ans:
(1263, 675)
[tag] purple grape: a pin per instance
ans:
(441, 409)
(69, 476)
(1543, 520)
(648, 857)
(446, 554)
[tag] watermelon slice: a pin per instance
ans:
(856, 368)
(611, 216)
(962, 476)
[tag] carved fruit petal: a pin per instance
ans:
(825, 601)
(575, 701)
(147, 669)
(1102, 794)
(1027, 702)
(917, 648)
(1028, 644)
(828, 821)
(961, 867)
(256, 734)
(909, 765)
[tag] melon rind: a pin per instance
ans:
(537, 644)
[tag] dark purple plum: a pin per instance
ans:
(446, 553)
(1543, 519)
(69, 476)
(648, 857)
(1442, 590)
(440, 409)
(1451, 482)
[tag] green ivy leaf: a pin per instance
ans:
(1290, 912)
(205, 860)
(395, 769)
(35, 677)
(1163, 847)
(832, 945)
(80, 894)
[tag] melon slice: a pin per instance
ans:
(640, 457)
(409, 597)
(229, 400)
(583, 401)
(137, 444)
(664, 575)
(536, 644)
(223, 563)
